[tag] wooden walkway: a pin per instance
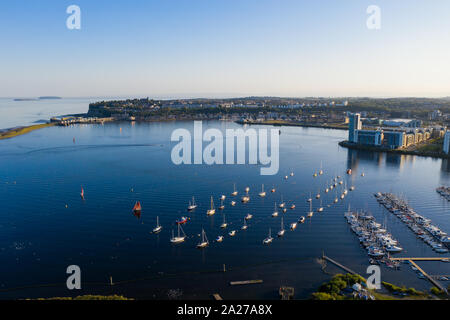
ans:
(418, 259)
(430, 278)
(236, 283)
(340, 265)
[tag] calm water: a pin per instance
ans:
(120, 163)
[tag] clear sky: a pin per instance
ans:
(222, 48)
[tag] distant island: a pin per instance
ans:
(37, 99)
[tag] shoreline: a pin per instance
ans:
(18, 131)
(349, 145)
(277, 123)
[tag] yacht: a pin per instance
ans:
(362, 174)
(233, 203)
(302, 219)
(286, 177)
(352, 188)
(232, 233)
(293, 226)
(309, 199)
(281, 232)
(292, 174)
(292, 206)
(275, 212)
(273, 190)
(248, 216)
(224, 223)
(247, 189)
(262, 193)
(284, 210)
(180, 237)
(393, 249)
(311, 212)
(245, 198)
(320, 209)
(221, 207)
(282, 204)
(245, 226)
(315, 174)
(234, 193)
(318, 196)
(269, 239)
(222, 197)
(349, 171)
(204, 242)
(211, 211)
(182, 220)
(320, 171)
(219, 239)
(192, 205)
(158, 227)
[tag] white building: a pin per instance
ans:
(446, 147)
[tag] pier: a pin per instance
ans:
(339, 265)
(430, 278)
(236, 283)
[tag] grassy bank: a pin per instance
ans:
(23, 130)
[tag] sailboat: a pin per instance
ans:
(247, 189)
(302, 219)
(318, 195)
(180, 237)
(326, 189)
(224, 223)
(204, 243)
(349, 171)
(336, 199)
(233, 203)
(232, 233)
(245, 198)
(282, 204)
(262, 194)
(320, 171)
(292, 174)
(286, 177)
(309, 199)
(245, 226)
(234, 193)
(273, 190)
(158, 227)
(192, 205)
(248, 216)
(293, 206)
(275, 212)
(315, 174)
(137, 207)
(221, 207)
(269, 239)
(211, 211)
(219, 239)
(281, 232)
(352, 188)
(82, 193)
(320, 209)
(311, 212)
(223, 197)
(293, 226)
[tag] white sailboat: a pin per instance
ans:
(245, 226)
(224, 223)
(273, 190)
(311, 212)
(192, 205)
(320, 209)
(248, 216)
(219, 239)
(282, 204)
(234, 193)
(245, 198)
(262, 194)
(309, 199)
(158, 227)
(233, 203)
(293, 226)
(180, 237)
(211, 211)
(221, 207)
(318, 195)
(320, 171)
(204, 242)
(232, 233)
(302, 219)
(223, 197)
(269, 239)
(281, 232)
(275, 212)
(247, 189)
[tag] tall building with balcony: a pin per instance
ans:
(369, 137)
(354, 124)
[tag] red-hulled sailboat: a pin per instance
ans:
(82, 193)
(137, 207)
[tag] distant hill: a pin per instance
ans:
(49, 98)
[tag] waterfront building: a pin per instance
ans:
(369, 137)
(394, 139)
(446, 147)
(354, 125)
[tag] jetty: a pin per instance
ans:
(217, 296)
(339, 265)
(237, 283)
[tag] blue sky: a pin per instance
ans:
(221, 48)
